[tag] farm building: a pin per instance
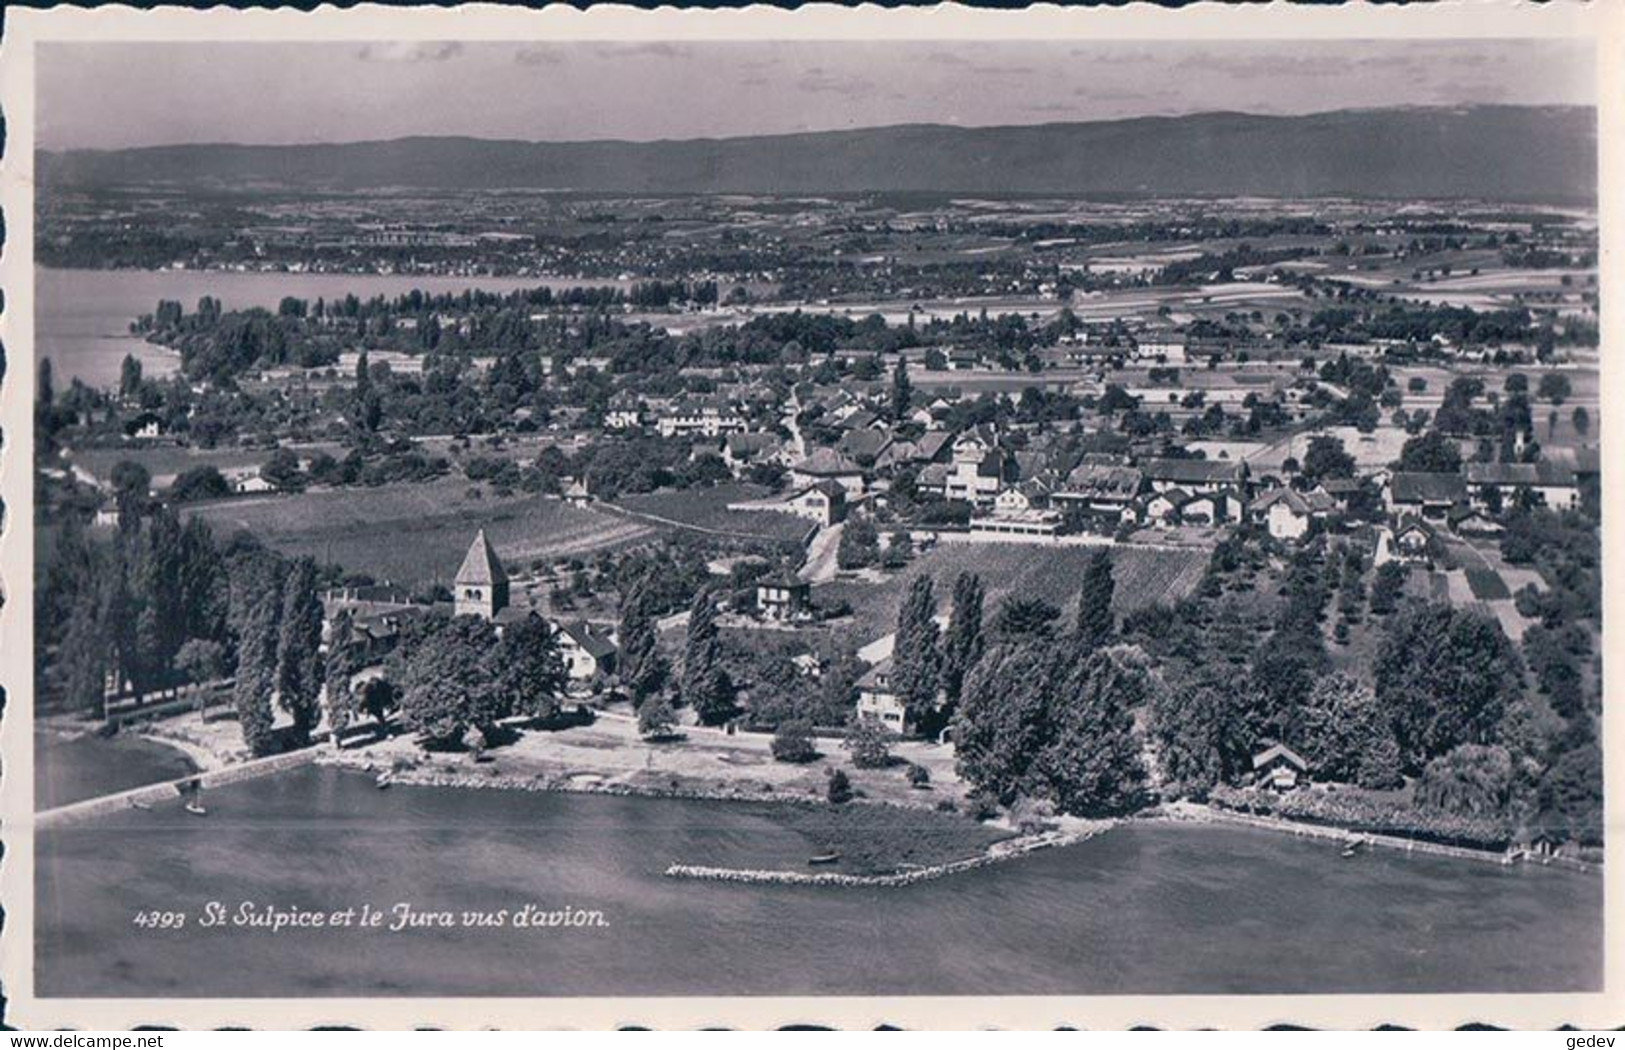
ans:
(1288, 515)
(1428, 495)
(1194, 475)
(1556, 484)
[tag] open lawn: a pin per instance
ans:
(416, 534)
(1144, 576)
(163, 462)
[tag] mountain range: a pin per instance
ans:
(1533, 153)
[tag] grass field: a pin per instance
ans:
(707, 508)
(1487, 584)
(1144, 577)
(417, 534)
(163, 462)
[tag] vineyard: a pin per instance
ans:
(1144, 576)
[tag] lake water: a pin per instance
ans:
(71, 769)
(1143, 909)
(82, 317)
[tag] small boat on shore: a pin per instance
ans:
(195, 808)
(1353, 848)
(136, 803)
(825, 858)
(383, 780)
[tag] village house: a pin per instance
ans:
(1280, 768)
(742, 451)
(1429, 496)
(1413, 539)
(481, 586)
(878, 700)
(1017, 525)
(624, 414)
(702, 418)
(1194, 475)
(977, 471)
(826, 464)
(784, 599)
(247, 481)
(146, 426)
(1163, 347)
(1288, 514)
(1556, 484)
(824, 503)
(1106, 489)
(588, 650)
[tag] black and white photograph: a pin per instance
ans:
(884, 515)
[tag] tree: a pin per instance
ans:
(1202, 738)
(902, 392)
(129, 377)
(198, 483)
(1386, 586)
(705, 684)
(339, 669)
(1091, 765)
(282, 470)
(1326, 458)
(1096, 625)
(1445, 677)
(1472, 780)
(869, 744)
(201, 660)
(963, 644)
(1581, 420)
(449, 683)
(642, 668)
(530, 668)
(1554, 387)
(656, 719)
(1024, 618)
(1570, 795)
(839, 790)
(299, 671)
(1430, 453)
(132, 484)
(793, 742)
(1039, 721)
(84, 653)
(859, 546)
(256, 613)
(1346, 736)
(916, 661)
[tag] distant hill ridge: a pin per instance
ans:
(1539, 153)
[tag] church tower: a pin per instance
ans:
(481, 587)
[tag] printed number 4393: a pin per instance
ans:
(160, 920)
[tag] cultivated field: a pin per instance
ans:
(1144, 576)
(417, 534)
(707, 509)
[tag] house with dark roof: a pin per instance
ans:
(1557, 484)
(588, 650)
(1194, 475)
(741, 451)
(1101, 488)
(1426, 495)
(1289, 514)
(878, 701)
(826, 464)
(783, 599)
(481, 586)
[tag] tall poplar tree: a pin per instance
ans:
(299, 670)
(1096, 626)
(963, 644)
(916, 661)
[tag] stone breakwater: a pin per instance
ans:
(998, 852)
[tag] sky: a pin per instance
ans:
(108, 96)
